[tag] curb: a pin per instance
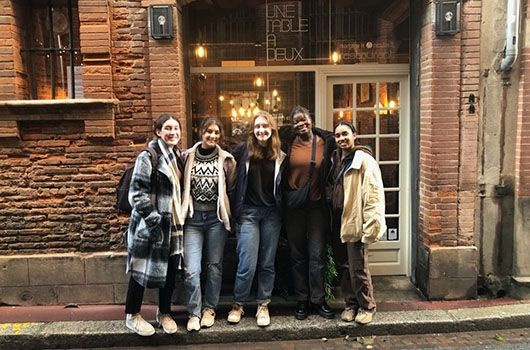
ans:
(85, 334)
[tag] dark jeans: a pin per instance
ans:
(306, 233)
(352, 265)
(135, 292)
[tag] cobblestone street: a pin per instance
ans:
(496, 339)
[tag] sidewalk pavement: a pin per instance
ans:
(399, 312)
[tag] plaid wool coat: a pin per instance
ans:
(148, 235)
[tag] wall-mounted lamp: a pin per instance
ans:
(161, 21)
(201, 52)
(448, 17)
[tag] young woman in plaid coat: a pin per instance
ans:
(154, 237)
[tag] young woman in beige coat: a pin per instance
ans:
(358, 203)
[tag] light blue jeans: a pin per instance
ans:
(203, 230)
(257, 241)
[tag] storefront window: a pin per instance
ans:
(251, 55)
(236, 97)
(314, 32)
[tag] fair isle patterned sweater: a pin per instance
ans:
(205, 180)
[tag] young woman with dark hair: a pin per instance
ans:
(358, 206)
(307, 225)
(257, 211)
(209, 179)
(154, 237)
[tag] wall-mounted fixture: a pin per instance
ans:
(201, 52)
(161, 21)
(448, 17)
(471, 102)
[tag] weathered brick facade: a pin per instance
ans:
(60, 166)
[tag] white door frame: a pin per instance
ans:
(397, 73)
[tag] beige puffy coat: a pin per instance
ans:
(363, 215)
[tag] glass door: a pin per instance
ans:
(378, 108)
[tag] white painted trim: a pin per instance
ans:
(401, 75)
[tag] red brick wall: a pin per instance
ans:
(469, 122)
(449, 70)
(8, 44)
(57, 181)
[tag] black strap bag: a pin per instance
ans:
(295, 199)
(122, 190)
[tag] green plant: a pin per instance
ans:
(330, 274)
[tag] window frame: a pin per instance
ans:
(53, 51)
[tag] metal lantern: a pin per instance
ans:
(448, 17)
(161, 21)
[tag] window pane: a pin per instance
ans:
(342, 96)
(390, 174)
(389, 95)
(389, 148)
(392, 202)
(342, 115)
(41, 71)
(365, 123)
(368, 142)
(389, 122)
(235, 97)
(366, 95)
(62, 71)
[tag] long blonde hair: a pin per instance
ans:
(273, 150)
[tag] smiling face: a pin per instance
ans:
(211, 136)
(262, 130)
(345, 138)
(170, 132)
(302, 124)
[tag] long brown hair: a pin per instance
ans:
(272, 151)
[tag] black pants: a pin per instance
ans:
(306, 233)
(135, 292)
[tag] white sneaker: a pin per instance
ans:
(262, 316)
(364, 316)
(208, 318)
(194, 324)
(137, 324)
(234, 316)
(166, 322)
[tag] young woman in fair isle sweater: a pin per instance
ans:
(209, 179)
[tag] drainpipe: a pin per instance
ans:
(513, 14)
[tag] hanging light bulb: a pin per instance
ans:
(258, 82)
(334, 57)
(274, 92)
(200, 51)
(221, 98)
